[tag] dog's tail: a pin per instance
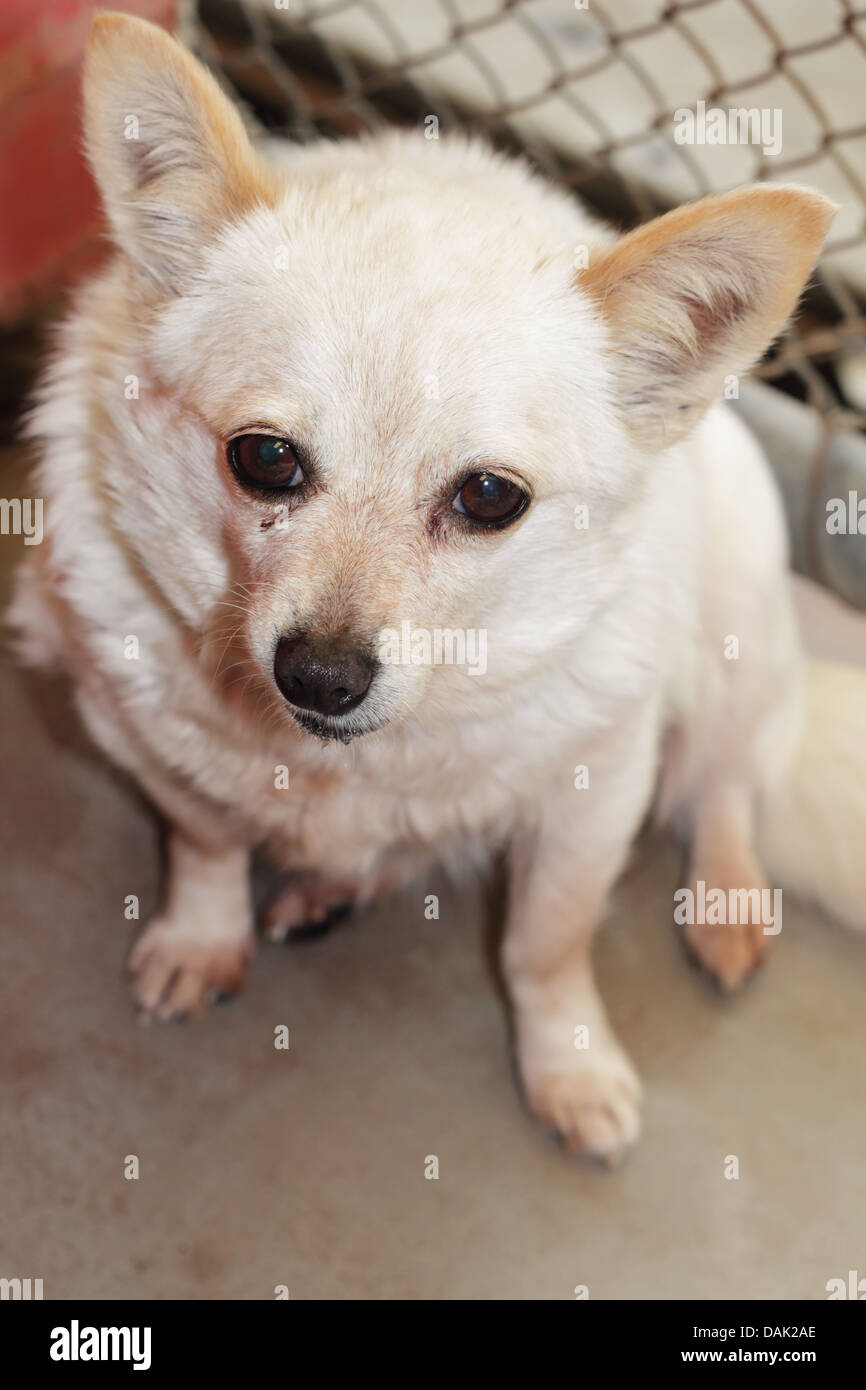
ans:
(812, 825)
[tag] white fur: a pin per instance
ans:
(384, 266)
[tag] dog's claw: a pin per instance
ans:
(177, 974)
(315, 926)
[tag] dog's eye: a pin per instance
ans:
(261, 461)
(490, 500)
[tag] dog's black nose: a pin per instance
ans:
(327, 678)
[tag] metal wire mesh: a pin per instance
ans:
(590, 92)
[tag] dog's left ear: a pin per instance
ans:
(700, 294)
(169, 151)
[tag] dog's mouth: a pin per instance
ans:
(333, 730)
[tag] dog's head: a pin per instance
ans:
(391, 422)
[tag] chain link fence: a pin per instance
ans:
(595, 95)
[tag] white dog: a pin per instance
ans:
(361, 389)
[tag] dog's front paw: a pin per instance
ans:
(178, 971)
(594, 1105)
(307, 906)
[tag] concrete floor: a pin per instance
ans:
(306, 1168)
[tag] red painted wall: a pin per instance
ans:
(49, 209)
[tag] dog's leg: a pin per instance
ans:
(722, 858)
(576, 1076)
(198, 947)
(743, 723)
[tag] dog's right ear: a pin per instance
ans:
(700, 294)
(169, 151)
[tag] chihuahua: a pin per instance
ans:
(394, 517)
